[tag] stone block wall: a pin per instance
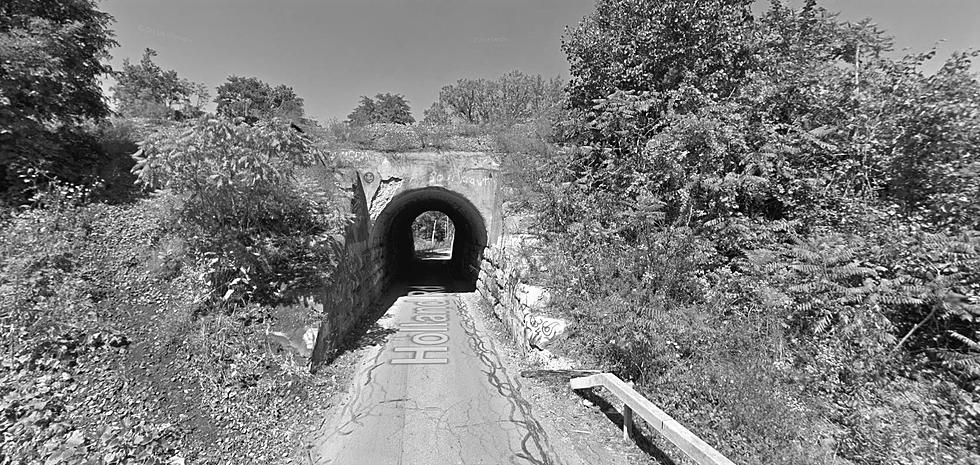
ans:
(518, 305)
(355, 286)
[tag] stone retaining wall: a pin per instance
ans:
(518, 305)
(355, 286)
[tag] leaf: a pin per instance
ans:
(75, 439)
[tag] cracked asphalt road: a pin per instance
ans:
(434, 392)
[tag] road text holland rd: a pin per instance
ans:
(430, 325)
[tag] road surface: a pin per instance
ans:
(434, 392)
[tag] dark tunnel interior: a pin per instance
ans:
(393, 235)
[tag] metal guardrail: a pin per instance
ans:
(669, 428)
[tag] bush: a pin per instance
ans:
(263, 232)
(91, 156)
(113, 347)
(773, 232)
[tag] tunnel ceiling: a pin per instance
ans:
(405, 207)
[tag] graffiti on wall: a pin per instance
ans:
(469, 179)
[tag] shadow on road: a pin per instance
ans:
(614, 415)
(422, 272)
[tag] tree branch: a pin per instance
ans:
(915, 328)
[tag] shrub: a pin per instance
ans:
(262, 231)
(89, 156)
(776, 249)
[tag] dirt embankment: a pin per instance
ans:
(115, 351)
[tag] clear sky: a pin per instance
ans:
(333, 51)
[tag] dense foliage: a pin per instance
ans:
(139, 330)
(771, 226)
(252, 99)
(512, 98)
(146, 90)
(383, 108)
(53, 56)
(263, 230)
(115, 348)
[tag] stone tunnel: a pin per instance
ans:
(391, 232)
(388, 191)
(397, 188)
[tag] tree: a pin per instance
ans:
(245, 208)
(393, 108)
(432, 226)
(383, 108)
(709, 140)
(520, 97)
(436, 114)
(284, 103)
(364, 114)
(53, 54)
(145, 89)
(512, 98)
(470, 99)
(655, 46)
(253, 99)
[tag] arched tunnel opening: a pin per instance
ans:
(433, 234)
(393, 234)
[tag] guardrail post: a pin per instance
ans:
(656, 419)
(628, 424)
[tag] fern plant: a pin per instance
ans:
(966, 362)
(830, 286)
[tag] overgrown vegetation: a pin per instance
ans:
(384, 108)
(141, 332)
(116, 345)
(145, 90)
(770, 225)
(768, 222)
(138, 324)
(48, 86)
(262, 232)
(253, 99)
(510, 99)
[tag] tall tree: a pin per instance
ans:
(654, 45)
(364, 114)
(793, 135)
(253, 99)
(436, 114)
(470, 99)
(53, 54)
(383, 108)
(145, 89)
(512, 98)
(393, 108)
(284, 102)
